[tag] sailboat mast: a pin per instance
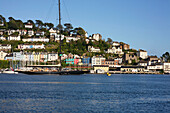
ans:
(60, 30)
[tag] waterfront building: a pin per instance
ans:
(101, 68)
(77, 60)
(119, 59)
(86, 60)
(36, 57)
(69, 61)
(132, 69)
(52, 56)
(9, 57)
(18, 56)
(43, 57)
(109, 62)
(153, 60)
(166, 67)
(155, 67)
(142, 63)
(99, 60)
(2, 55)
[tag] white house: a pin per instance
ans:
(22, 32)
(57, 37)
(115, 50)
(166, 67)
(53, 32)
(119, 60)
(5, 46)
(52, 56)
(29, 25)
(40, 33)
(10, 32)
(13, 37)
(31, 46)
(115, 43)
(97, 36)
(155, 67)
(2, 38)
(64, 56)
(35, 39)
(30, 33)
(86, 34)
(142, 63)
(92, 49)
(2, 55)
(68, 38)
(97, 60)
(142, 54)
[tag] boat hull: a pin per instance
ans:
(10, 72)
(54, 73)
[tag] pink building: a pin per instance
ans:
(76, 61)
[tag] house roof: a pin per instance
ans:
(132, 66)
(142, 61)
(109, 60)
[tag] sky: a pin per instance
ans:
(143, 24)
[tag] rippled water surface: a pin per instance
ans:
(85, 93)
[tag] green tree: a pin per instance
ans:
(3, 21)
(68, 28)
(12, 25)
(109, 40)
(19, 24)
(80, 31)
(39, 24)
(166, 57)
(32, 22)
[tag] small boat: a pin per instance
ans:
(9, 71)
(108, 74)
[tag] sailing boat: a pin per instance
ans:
(60, 54)
(10, 70)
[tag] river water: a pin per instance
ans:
(85, 93)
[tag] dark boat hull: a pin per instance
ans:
(55, 73)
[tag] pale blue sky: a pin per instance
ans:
(143, 24)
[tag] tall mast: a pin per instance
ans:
(59, 30)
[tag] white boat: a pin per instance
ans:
(9, 71)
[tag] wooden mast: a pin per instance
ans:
(59, 31)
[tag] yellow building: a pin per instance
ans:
(101, 68)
